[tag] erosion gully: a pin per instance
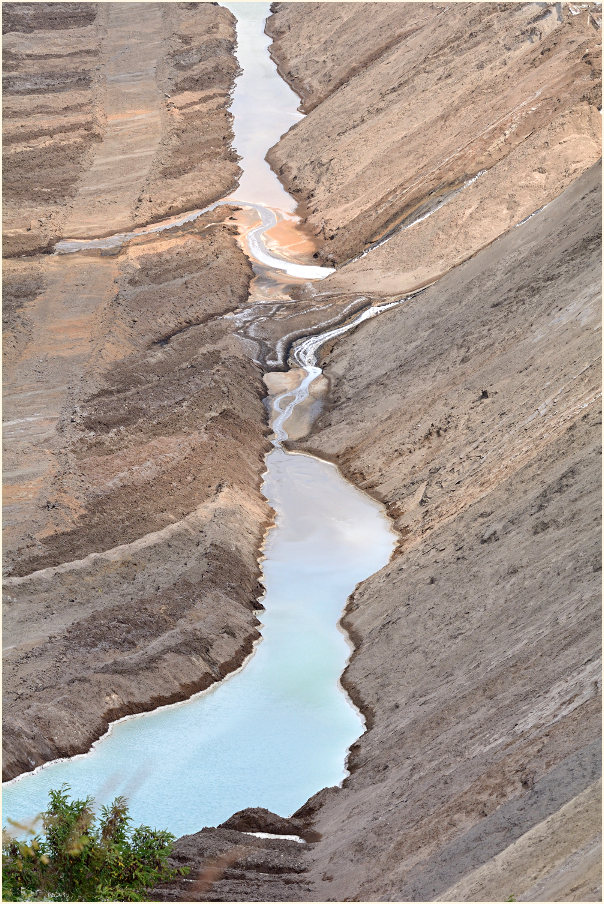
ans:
(277, 730)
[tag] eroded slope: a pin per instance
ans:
(136, 581)
(426, 99)
(112, 119)
(134, 425)
(473, 411)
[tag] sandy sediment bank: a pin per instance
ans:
(134, 425)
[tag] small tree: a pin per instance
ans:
(80, 858)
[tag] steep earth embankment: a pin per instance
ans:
(134, 427)
(408, 102)
(473, 411)
(112, 119)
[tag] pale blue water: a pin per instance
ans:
(277, 731)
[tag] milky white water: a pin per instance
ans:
(278, 730)
(264, 107)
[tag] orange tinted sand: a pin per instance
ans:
(289, 238)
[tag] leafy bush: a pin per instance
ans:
(80, 857)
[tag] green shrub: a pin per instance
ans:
(82, 857)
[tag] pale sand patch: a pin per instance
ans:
(557, 860)
(298, 424)
(109, 188)
(288, 239)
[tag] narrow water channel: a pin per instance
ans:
(278, 730)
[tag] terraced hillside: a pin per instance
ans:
(134, 427)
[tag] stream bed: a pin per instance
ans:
(278, 730)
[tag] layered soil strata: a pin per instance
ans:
(228, 865)
(133, 554)
(473, 412)
(52, 116)
(430, 97)
(112, 119)
(194, 163)
(134, 425)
